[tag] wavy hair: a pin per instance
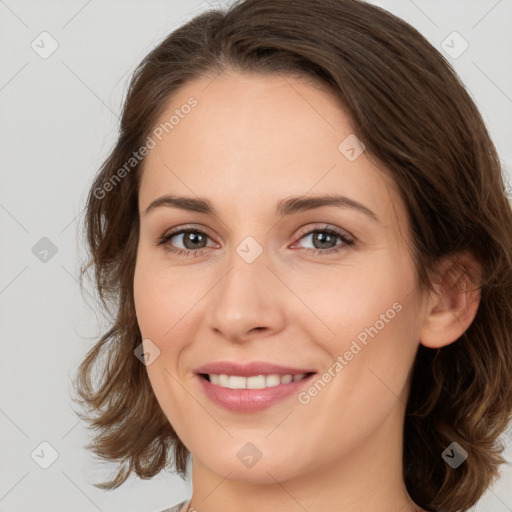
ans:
(418, 122)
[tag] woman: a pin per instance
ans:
(304, 229)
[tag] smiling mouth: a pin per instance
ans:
(254, 382)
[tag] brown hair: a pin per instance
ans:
(419, 124)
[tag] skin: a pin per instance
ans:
(251, 141)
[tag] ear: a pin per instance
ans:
(453, 305)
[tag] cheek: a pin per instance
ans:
(359, 300)
(160, 316)
(374, 321)
(157, 298)
(148, 301)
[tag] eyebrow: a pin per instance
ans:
(289, 206)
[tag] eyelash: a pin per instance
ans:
(347, 241)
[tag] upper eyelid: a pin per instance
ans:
(327, 227)
(180, 229)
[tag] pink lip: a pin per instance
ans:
(250, 369)
(250, 400)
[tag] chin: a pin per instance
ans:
(265, 471)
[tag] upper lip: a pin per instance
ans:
(250, 369)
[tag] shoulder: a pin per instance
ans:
(176, 508)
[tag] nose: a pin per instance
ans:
(248, 300)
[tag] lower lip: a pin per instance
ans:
(251, 400)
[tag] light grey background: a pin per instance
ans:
(58, 121)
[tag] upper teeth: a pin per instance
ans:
(256, 382)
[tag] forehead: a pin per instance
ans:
(253, 138)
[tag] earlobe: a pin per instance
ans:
(453, 306)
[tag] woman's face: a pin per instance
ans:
(268, 284)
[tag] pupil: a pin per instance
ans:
(322, 237)
(195, 238)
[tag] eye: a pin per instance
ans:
(194, 241)
(324, 240)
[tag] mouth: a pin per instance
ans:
(253, 382)
(250, 394)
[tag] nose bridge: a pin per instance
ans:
(242, 300)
